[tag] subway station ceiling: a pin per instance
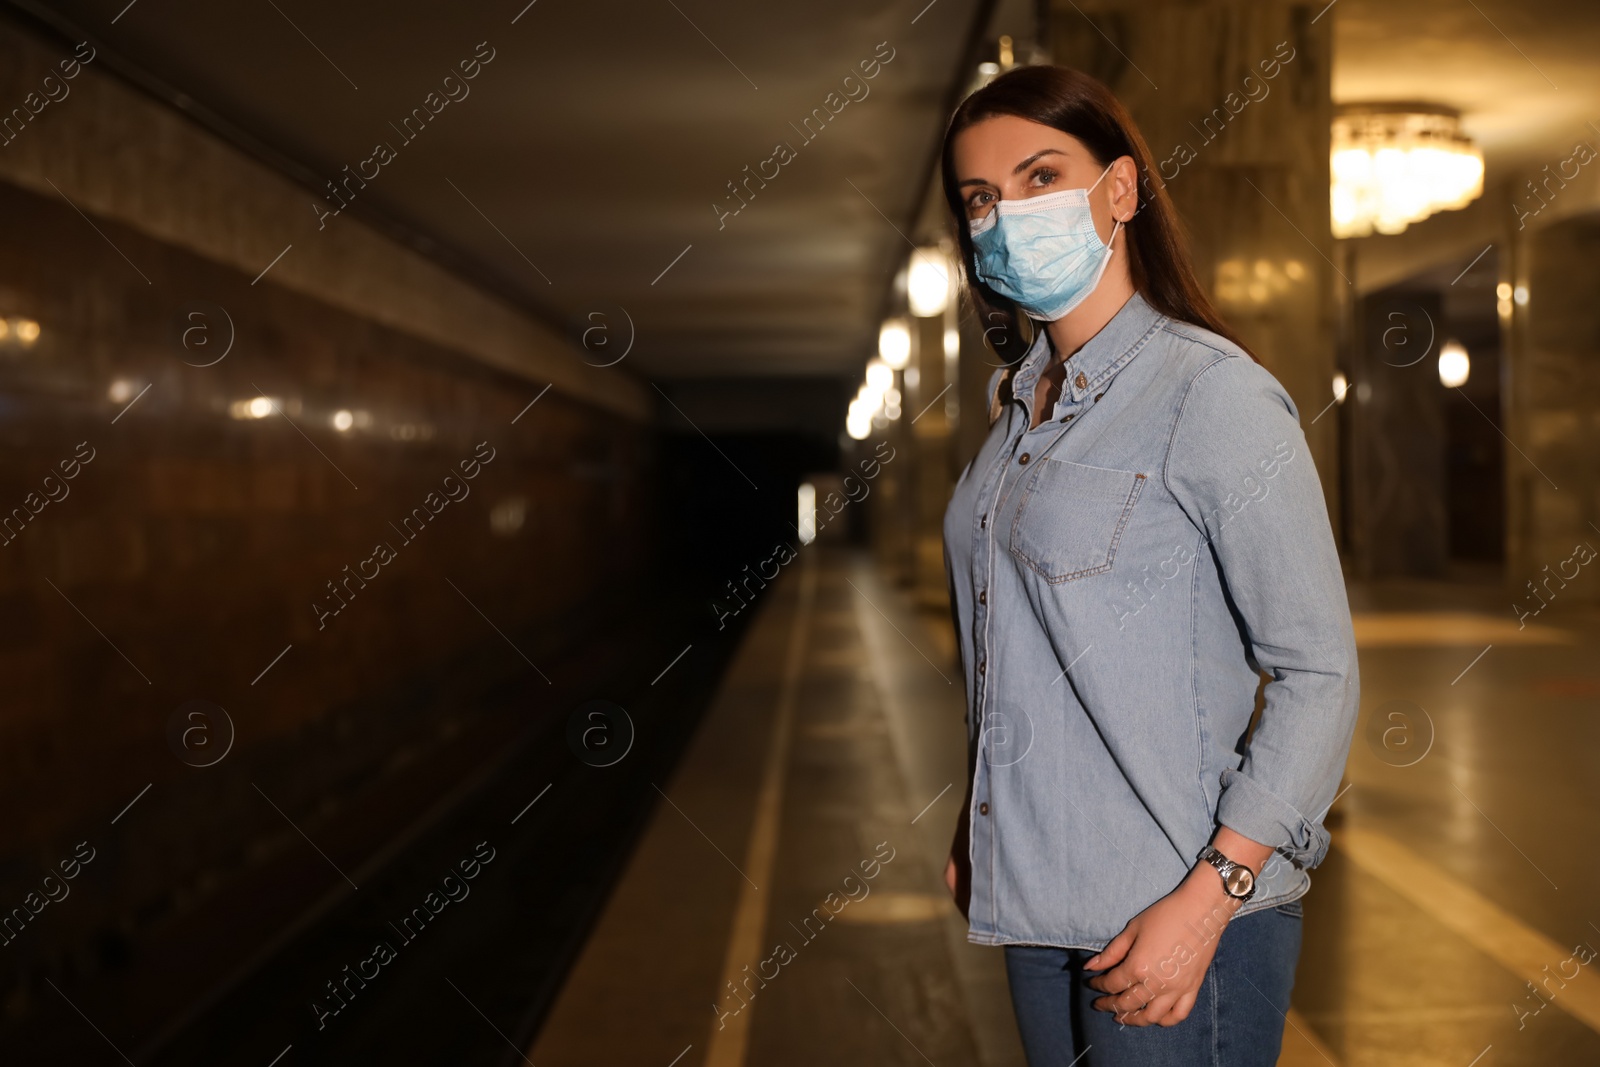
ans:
(1523, 73)
(588, 164)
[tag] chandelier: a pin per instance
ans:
(1395, 165)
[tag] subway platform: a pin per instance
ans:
(1443, 929)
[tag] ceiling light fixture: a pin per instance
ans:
(1454, 365)
(894, 343)
(1397, 164)
(928, 282)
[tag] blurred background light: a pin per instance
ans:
(928, 282)
(808, 513)
(894, 343)
(1454, 365)
(507, 516)
(257, 407)
(879, 377)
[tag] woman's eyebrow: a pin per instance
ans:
(1031, 160)
(1018, 169)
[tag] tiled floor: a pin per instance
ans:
(1462, 866)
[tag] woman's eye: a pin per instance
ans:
(979, 200)
(1044, 176)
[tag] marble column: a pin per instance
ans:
(1553, 461)
(1234, 99)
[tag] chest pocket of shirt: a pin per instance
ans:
(1071, 518)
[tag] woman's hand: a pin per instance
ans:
(1154, 967)
(958, 867)
(958, 879)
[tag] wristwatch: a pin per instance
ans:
(1238, 881)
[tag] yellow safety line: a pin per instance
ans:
(730, 1036)
(1481, 923)
(1300, 1041)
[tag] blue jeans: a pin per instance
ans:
(1237, 1020)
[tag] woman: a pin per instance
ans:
(1139, 537)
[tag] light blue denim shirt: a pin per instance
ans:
(1122, 575)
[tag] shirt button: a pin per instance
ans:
(983, 668)
(1097, 396)
(983, 523)
(1068, 418)
(1023, 459)
(983, 809)
(983, 597)
(1080, 381)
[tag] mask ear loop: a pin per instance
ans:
(1111, 244)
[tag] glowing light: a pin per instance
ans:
(1520, 295)
(508, 515)
(808, 513)
(1393, 167)
(27, 330)
(257, 407)
(343, 420)
(121, 390)
(952, 344)
(1257, 282)
(1503, 290)
(1454, 365)
(894, 343)
(1341, 386)
(880, 379)
(928, 282)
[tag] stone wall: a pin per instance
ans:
(201, 467)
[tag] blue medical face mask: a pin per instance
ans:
(1043, 253)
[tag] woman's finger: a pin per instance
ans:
(1125, 999)
(1118, 978)
(1160, 1007)
(1180, 1011)
(1112, 954)
(1133, 1016)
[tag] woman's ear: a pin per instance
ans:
(1124, 189)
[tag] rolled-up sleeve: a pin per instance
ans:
(1239, 466)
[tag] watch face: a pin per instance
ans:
(1239, 881)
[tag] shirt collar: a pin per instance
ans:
(1093, 365)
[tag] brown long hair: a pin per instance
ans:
(1158, 251)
